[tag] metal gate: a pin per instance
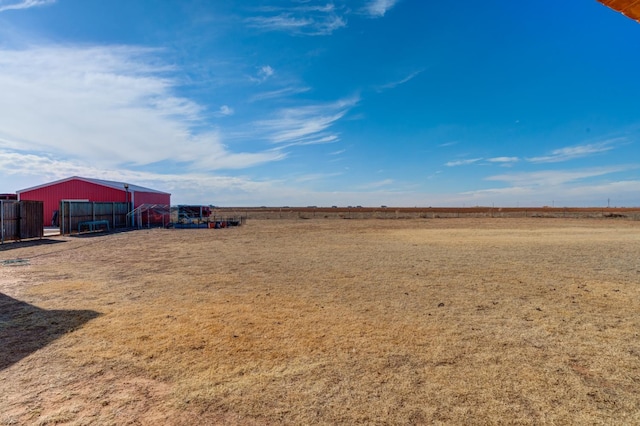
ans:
(73, 214)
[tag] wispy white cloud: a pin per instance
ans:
(562, 192)
(190, 187)
(378, 8)
(40, 165)
(377, 184)
(434, 174)
(397, 83)
(312, 140)
(307, 6)
(266, 71)
(312, 17)
(306, 124)
(556, 156)
(296, 124)
(553, 177)
(447, 144)
(263, 74)
(110, 106)
(316, 177)
(306, 19)
(462, 162)
(281, 22)
(225, 110)
(287, 91)
(503, 160)
(573, 152)
(22, 4)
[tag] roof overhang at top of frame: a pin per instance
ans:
(629, 8)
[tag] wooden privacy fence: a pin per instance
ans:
(21, 220)
(74, 215)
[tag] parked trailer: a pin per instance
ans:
(194, 216)
(190, 214)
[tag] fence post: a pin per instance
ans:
(2, 221)
(18, 222)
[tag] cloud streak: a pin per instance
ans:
(111, 106)
(22, 4)
(225, 110)
(462, 162)
(553, 177)
(395, 84)
(185, 187)
(378, 8)
(274, 94)
(307, 20)
(503, 160)
(563, 192)
(574, 152)
(305, 125)
(556, 156)
(376, 185)
(312, 18)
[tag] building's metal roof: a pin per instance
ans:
(108, 183)
(630, 8)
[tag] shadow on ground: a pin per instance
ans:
(8, 245)
(100, 233)
(25, 328)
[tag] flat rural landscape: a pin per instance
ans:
(305, 320)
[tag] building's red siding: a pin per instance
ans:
(151, 198)
(74, 189)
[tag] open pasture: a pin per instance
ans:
(421, 321)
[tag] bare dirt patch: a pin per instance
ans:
(297, 322)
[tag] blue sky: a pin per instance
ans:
(304, 102)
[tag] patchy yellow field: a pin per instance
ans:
(466, 321)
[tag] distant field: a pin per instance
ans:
(384, 212)
(416, 321)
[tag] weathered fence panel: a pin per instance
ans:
(73, 213)
(21, 220)
(31, 219)
(9, 214)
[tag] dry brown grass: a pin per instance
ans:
(483, 321)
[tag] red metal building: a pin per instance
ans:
(94, 190)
